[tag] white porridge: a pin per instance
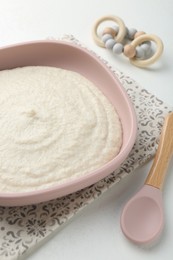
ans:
(54, 125)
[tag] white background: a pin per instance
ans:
(95, 233)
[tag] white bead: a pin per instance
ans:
(106, 37)
(140, 54)
(110, 43)
(149, 43)
(130, 33)
(127, 33)
(149, 53)
(147, 49)
(115, 28)
(118, 48)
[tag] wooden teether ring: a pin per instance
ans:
(154, 57)
(121, 33)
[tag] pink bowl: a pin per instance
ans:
(69, 56)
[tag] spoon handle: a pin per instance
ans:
(164, 153)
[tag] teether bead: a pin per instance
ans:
(130, 33)
(115, 28)
(145, 46)
(118, 48)
(148, 43)
(137, 34)
(129, 51)
(109, 30)
(110, 43)
(106, 37)
(140, 53)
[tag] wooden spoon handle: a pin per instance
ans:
(164, 153)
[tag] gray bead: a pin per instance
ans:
(106, 37)
(110, 43)
(149, 43)
(140, 54)
(149, 53)
(115, 28)
(118, 48)
(130, 33)
(147, 48)
(127, 33)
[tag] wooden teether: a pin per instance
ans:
(139, 51)
(121, 33)
(154, 57)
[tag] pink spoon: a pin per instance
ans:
(142, 218)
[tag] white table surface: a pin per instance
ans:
(95, 233)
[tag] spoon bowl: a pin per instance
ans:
(142, 219)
